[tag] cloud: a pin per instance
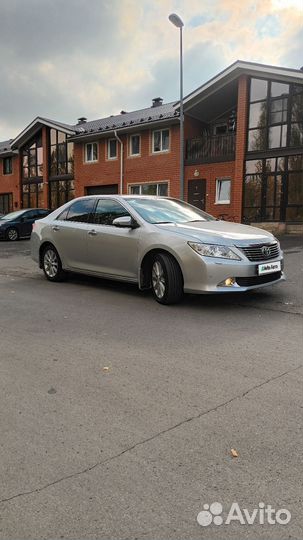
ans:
(68, 58)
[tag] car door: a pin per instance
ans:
(112, 250)
(69, 233)
(27, 221)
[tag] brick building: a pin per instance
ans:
(243, 151)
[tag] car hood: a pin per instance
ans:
(219, 232)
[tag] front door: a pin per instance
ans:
(197, 193)
(112, 250)
(6, 203)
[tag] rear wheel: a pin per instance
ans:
(12, 234)
(166, 279)
(51, 264)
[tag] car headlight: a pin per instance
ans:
(212, 250)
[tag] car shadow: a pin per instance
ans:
(195, 301)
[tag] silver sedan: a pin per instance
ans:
(159, 243)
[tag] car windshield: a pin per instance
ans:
(167, 211)
(12, 215)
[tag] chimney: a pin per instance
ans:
(82, 120)
(157, 101)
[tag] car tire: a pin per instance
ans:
(166, 279)
(51, 264)
(12, 234)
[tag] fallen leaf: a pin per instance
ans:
(234, 453)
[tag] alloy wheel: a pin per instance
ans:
(158, 279)
(51, 263)
(12, 234)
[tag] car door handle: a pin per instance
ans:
(55, 228)
(92, 232)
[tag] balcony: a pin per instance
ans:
(210, 149)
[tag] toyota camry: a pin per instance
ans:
(159, 243)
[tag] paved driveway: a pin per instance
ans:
(137, 449)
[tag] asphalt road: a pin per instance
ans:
(134, 451)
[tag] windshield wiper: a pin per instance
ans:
(195, 220)
(160, 222)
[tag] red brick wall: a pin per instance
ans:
(148, 167)
(210, 172)
(240, 143)
(192, 127)
(9, 183)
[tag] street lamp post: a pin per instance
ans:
(176, 21)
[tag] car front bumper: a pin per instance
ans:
(207, 274)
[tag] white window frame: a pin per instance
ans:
(130, 145)
(111, 158)
(161, 182)
(85, 153)
(223, 179)
(161, 151)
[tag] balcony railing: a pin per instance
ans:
(210, 148)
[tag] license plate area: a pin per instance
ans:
(269, 268)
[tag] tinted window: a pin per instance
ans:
(80, 211)
(30, 215)
(107, 210)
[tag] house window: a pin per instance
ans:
(223, 190)
(7, 165)
(220, 129)
(60, 192)
(112, 149)
(32, 159)
(275, 115)
(273, 189)
(161, 140)
(61, 154)
(134, 145)
(91, 152)
(160, 189)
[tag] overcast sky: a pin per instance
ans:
(68, 58)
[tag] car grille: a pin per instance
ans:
(261, 252)
(257, 280)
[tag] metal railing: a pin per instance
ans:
(210, 148)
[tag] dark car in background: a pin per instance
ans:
(19, 224)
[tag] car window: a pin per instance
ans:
(30, 215)
(107, 210)
(80, 211)
(162, 210)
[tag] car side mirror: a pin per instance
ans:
(125, 222)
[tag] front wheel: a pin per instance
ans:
(51, 264)
(166, 279)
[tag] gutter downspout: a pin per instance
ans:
(121, 161)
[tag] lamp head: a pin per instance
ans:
(175, 20)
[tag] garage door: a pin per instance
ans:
(108, 189)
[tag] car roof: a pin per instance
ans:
(116, 196)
